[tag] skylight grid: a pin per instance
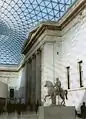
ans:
(17, 17)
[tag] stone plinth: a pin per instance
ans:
(57, 112)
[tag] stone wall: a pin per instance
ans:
(10, 78)
(74, 50)
(3, 90)
(67, 50)
(15, 80)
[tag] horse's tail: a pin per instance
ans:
(66, 92)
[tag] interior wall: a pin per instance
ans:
(74, 50)
(15, 80)
(11, 79)
(68, 51)
(3, 90)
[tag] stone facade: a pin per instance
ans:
(61, 49)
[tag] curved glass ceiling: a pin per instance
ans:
(18, 16)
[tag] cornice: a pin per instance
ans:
(38, 33)
(9, 68)
(72, 13)
(29, 36)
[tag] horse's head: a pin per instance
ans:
(48, 84)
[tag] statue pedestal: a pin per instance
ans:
(57, 112)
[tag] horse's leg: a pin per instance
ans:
(63, 99)
(63, 102)
(46, 97)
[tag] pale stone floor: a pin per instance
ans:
(15, 116)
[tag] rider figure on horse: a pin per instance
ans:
(57, 85)
(56, 90)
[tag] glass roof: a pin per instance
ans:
(17, 17)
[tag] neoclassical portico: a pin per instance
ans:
(38, 57)
(33, 78)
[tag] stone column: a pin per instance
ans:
(28, 76)
(26, 82)
(33, 85)
(38, 76)
(29, 80)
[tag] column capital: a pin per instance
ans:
(38, 51)
(33, 56)
(30, 60)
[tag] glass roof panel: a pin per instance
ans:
(18, 16)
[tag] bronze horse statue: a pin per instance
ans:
(52, 93)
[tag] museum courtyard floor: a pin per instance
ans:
(16, 116)
(23, 116)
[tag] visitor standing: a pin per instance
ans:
(83, 110)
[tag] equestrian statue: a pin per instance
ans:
(56, 90)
